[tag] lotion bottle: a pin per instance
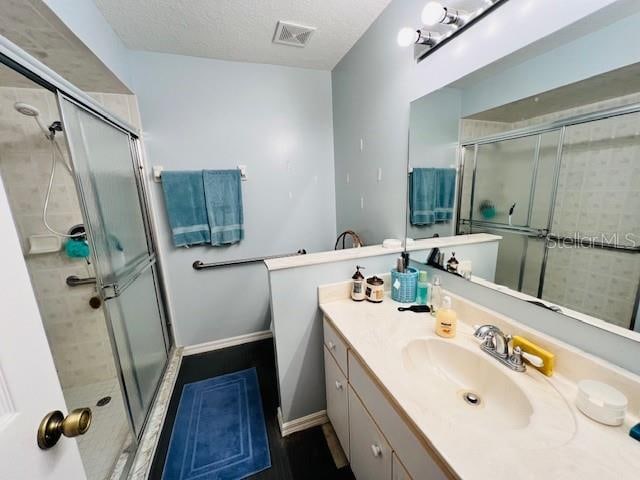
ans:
(446, 319)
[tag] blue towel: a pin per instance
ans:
(186, 208)
(223, 196)
(432, 195)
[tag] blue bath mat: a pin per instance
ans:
(219, 431)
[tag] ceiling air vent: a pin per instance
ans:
(292, 34)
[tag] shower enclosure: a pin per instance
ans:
(565, 197)
(102, 187)
(106, 164)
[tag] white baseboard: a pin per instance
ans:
(226, 342)
(302, 423)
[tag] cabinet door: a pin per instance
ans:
(399, 472)
(336, 346)
(370, 452)
(337, 400)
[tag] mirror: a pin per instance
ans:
(545, 155)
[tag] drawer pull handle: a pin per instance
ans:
(331, 345)
(338, 385)
(376, 450)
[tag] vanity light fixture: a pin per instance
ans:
(434, 13)
(408, 36)
(453, 20)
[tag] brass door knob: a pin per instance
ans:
(55, 424)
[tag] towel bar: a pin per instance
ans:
(199, 265)
(156, 173)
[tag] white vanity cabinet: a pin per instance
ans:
(377, 440)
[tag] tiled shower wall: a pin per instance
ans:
(76, 332)
(598, 192)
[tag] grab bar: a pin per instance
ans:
(75, 281)
(199, 265)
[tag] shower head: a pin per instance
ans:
(26, 109)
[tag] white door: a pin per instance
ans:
(29, 386)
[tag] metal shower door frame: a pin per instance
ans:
(110, 291)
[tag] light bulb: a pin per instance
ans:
(407, 36)
(433, 13)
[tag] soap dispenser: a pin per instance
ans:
(358, 287)
(446, 319)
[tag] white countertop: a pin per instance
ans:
(376, 250)
(559, 442)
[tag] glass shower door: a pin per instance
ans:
(514, 175)
(105, 165)
(593, 263)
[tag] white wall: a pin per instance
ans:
(210, 114)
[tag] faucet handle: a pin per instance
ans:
(516, 357)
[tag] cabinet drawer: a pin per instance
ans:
(370, 452)
(336, 346)
(399, 472)
(417, 460)
(337, 400)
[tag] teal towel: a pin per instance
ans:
(431, 196)
(223, 195)
(186, 208)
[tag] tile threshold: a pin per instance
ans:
(151, 434)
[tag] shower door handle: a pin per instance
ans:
(55, 424)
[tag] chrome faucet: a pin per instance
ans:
(496, 344)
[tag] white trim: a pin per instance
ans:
(302, 423)
(226, 342)
(332, 256)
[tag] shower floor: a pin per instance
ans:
(102, 445)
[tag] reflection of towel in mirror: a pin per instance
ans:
(432, 195)
(223, 196)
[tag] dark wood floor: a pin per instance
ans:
(300, 456)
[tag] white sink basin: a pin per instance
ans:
(442, 372)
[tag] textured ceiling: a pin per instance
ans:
(616, 83)
(242, 30)
(32, 26)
